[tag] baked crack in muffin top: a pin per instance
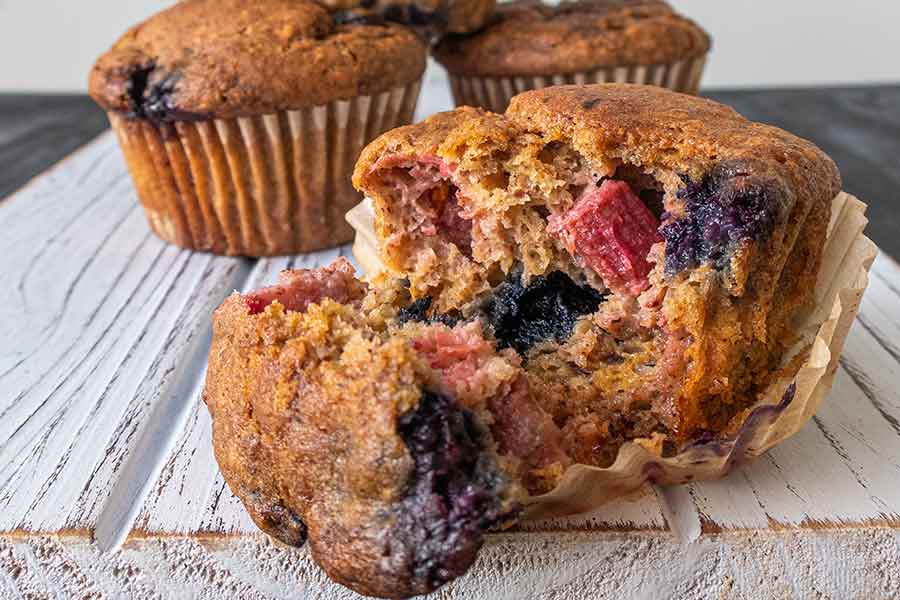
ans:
(433, 18)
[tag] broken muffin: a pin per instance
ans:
(601, 264)
(680, 240)
(393, 443)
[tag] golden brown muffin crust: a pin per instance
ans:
(229, 58)
(646, 125)
(528, 37)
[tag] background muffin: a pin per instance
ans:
(530, 45)
(241, 122)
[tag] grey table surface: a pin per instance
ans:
(858, 126)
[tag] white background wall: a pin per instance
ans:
(49, 45)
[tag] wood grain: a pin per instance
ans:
(97, 314)
(107, 480)
(589, 565)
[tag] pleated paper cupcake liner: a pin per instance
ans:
(262, 185)
(365, 245)
(495, 93)
(780, 410)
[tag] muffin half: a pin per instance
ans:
(240, 122)
(393, 444)
(643, 251)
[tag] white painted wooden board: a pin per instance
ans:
(108, 486)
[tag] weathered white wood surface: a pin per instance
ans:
(108, 486)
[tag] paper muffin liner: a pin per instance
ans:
(779, 412)
(495, 93)
(262, 185)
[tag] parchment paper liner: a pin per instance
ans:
(261, 185)
(494, 93)
(778, 413)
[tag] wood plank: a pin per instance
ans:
(102, 432)
(577, 566)
(98, 315)
(159, 282)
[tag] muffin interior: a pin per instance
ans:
(567, 262)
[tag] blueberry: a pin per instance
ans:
(455, 493)
(546, 309)
(151, 95)
(724, 208)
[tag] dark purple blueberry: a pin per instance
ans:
(416, 312)
(158, 102)
(455, 494)
(727, 207)
(546, 309)
(150, 94)
(136, 86)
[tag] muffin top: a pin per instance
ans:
(528, 37)
(229, 58)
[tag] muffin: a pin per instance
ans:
(240, 122)
(643, 251)
(602, 264)
(432, 18)
(530, 45)
(329, 426)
